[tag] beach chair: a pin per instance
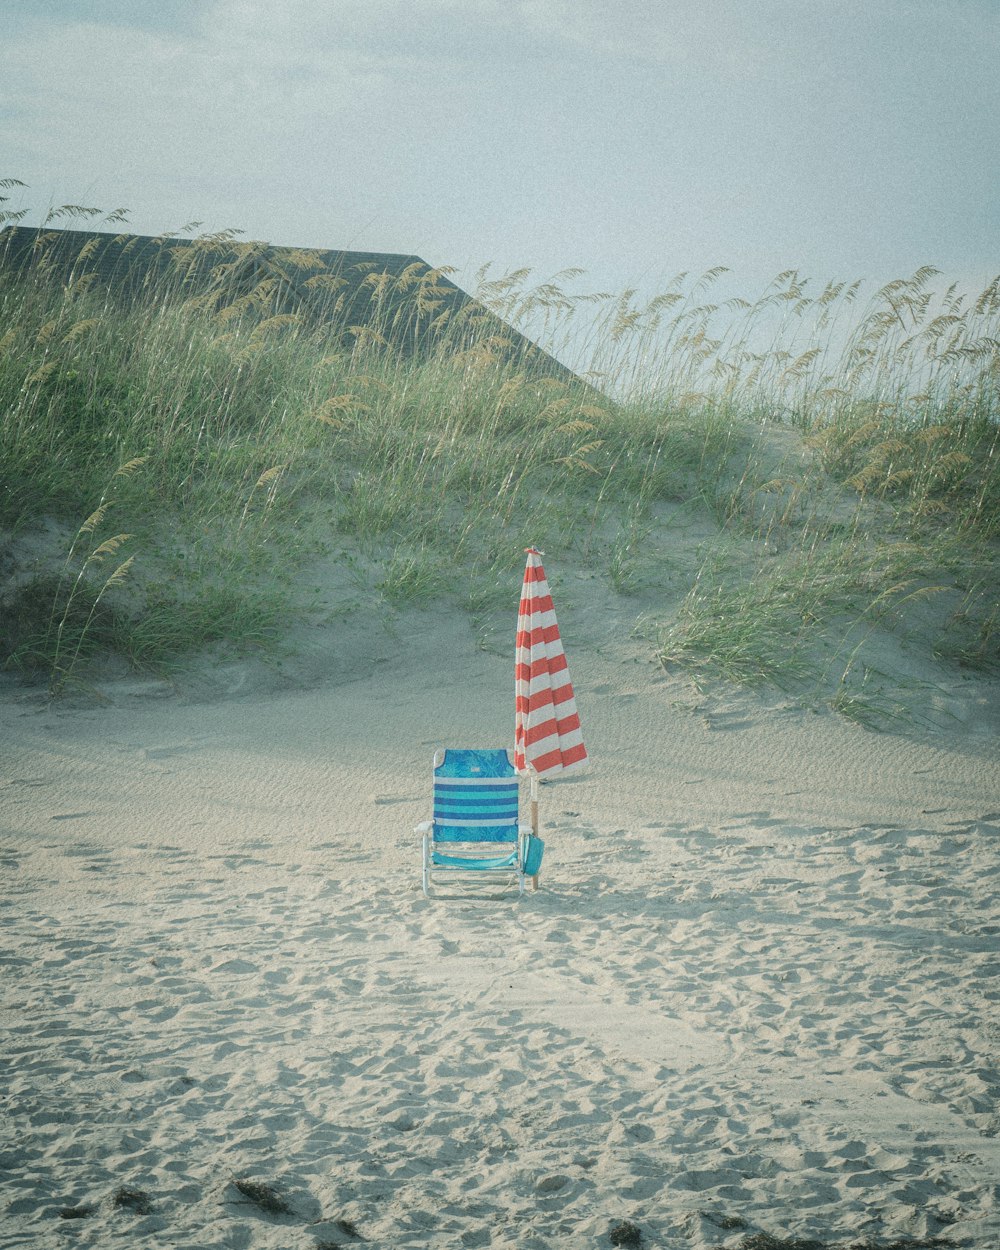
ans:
(475, 831)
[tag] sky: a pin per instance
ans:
(630, 138)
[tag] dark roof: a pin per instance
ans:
(411, 305)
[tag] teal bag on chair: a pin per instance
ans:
(533, 852)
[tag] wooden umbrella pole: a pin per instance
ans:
(534, 818)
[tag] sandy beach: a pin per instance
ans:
(756, 996)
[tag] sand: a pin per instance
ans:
(756, 994)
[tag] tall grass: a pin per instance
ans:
(891, 499)
(266, 438)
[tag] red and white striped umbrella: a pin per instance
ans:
(547, 737)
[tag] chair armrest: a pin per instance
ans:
(525, 830)
(425, 826)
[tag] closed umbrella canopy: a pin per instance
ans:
(547, 737)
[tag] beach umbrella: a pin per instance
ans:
(547, 738)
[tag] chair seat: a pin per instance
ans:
(476, 862)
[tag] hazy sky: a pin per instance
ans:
(632, 138)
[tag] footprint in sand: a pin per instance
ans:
(236, 967)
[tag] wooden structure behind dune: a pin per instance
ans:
(394, 301)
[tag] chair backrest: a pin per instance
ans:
(475, 797)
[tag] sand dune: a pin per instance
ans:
(757, 992)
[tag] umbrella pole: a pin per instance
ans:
(534, 819)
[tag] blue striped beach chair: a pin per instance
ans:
(475, 828)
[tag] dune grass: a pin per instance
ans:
(848, 455)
